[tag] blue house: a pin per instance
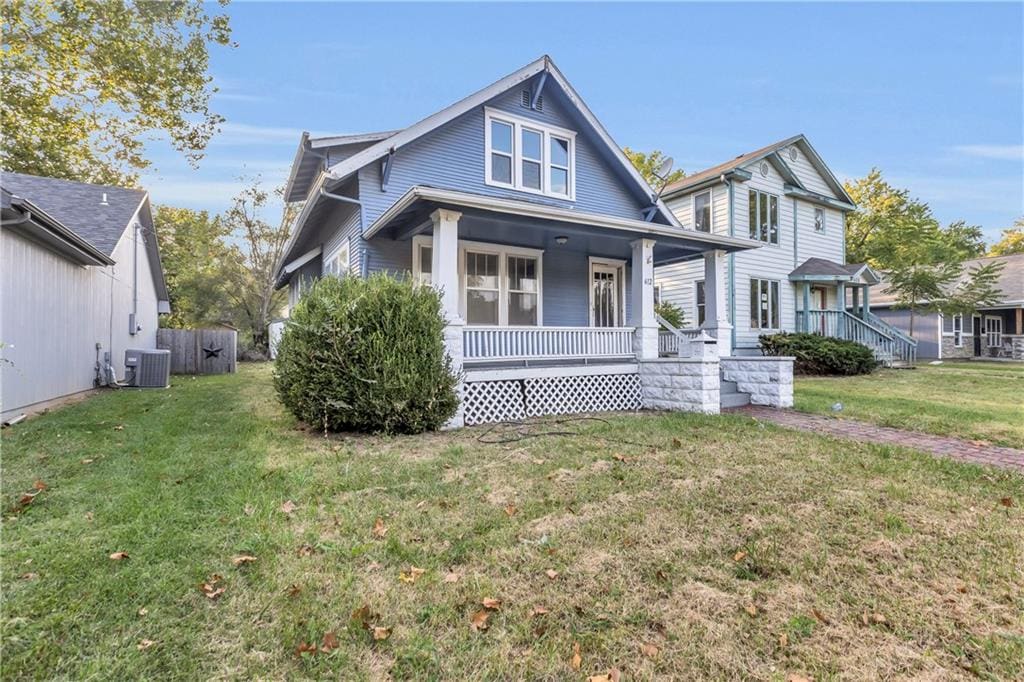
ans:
(542, 237)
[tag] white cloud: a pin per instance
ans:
(244, 133)
(1001, 152)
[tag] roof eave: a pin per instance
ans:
(737, 174)
(289, 186)
(81, 251)
(815, 198)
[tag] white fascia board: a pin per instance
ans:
(342, 140)
(300, 220)
(417, 130)
(301, 260)
(823, 169)
(296, 162)
(531, 210)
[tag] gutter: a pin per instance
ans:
(727, 178)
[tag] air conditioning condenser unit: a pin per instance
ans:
(147, 368)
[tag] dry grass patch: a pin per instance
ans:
(665, 546)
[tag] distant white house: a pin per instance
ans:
(80, 277)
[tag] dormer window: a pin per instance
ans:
(529, 157)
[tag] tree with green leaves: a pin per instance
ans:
(86, 82)
(647, 164)
(257, 250)
(195, 258)
(1011, 242)
(945, 288)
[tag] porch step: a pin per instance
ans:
(727, 387)
(735, 399)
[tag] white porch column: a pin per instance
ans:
(641, 310)
(716, 317)
(444, 276)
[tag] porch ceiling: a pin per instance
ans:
(532, 224)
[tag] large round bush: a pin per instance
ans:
(817, 354)
(367, 355)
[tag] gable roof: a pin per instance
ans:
(80, 206)
(814, 269)
(771, 153)
(1010, 281)
(314, 154)
(25, 217)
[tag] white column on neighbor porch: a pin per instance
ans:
(716, 316)
(641, 310)
(444, 276)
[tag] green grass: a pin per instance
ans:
(970, 400)
(734, 549)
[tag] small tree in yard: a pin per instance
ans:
(943, 288)
(367, 355)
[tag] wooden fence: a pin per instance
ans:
(200, 351)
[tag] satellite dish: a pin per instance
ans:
(665, 168)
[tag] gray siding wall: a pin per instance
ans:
(55, 312)
(927, 329)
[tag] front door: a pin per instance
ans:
(604, 296)
(976, 327)
(822, 295)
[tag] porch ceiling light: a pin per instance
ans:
(561, 239)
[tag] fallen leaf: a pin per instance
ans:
(676, 443)
(88, 516)
(479, 619)
(304, 550)
(961, 588)
(649, 649)
(750, 609)
(118, 556)
(39, 485)
(878, 618)
(783, 640)
(451, 577)
(362, 615)
(27, 498)
(511, 510)
(619, 457)
(1006, 501)
(330, 642)
(798, 678)
(249, 510)
(576, 661)
(612, 675)
(739, 556)
(380, 633)
(551, 573)
(243, 559)
(210, 589)
(538, 461)
(88, 461)
(119, 427)
(288, 507)
(490, 603)
(294, 590)
(379, 529)
(144, 644)
(821, 616)
(29, 576)
(538, 611)
(305, 648)
(412, 575)
(143, 611)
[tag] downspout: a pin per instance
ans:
(732, 266)
(133, 325)
(349, 200)
(796, 256)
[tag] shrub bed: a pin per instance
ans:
(367, 355)
(817, 354)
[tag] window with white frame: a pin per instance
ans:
(819, 220)
(500, 285)
(702, 214)
(337, 264)
(958, 331)
(422, 260)
(657, 294)
(763, 212)
(764, 304)
(699, 301)
(529, 156)
(993, 331)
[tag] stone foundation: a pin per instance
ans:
(681, 385)
(951, 352)
(767, 380)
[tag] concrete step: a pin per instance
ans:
(727, 387)
(735, 399)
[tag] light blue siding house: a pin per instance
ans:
(516, 203)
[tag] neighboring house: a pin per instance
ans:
(995, 331)
(784, 197)
(80, 277)
(540, 233)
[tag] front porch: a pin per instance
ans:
(551, 311)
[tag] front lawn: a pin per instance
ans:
(671, 546)
(970, 400)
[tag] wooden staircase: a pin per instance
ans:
(891, 347)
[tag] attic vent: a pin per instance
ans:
(792, 153)
(764, 168)
(527, 96)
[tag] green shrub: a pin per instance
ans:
(671, 313)
(817, 354)
(367, 355)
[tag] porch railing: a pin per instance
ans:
(672, 341)
(887, 345)
(546, 343)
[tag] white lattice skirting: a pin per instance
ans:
(513, 399)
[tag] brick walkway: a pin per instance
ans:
(941, 446)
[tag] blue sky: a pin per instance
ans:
(930, 93)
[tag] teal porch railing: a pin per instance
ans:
(888, 343)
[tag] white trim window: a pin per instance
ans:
(993, 331)
(500, 285)
(764, 303)
(607, 291)
(763, 210)
(528, 156)
(703, 215)
(338, 264)
(819, 220)
(422, 259)
(699, 302)
(958, 331)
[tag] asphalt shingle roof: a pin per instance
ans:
(1010, 283)
(78, 205)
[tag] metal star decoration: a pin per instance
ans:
(212, 352)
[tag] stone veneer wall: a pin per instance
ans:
(768, 380)
(950, 351)
(681, 385)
